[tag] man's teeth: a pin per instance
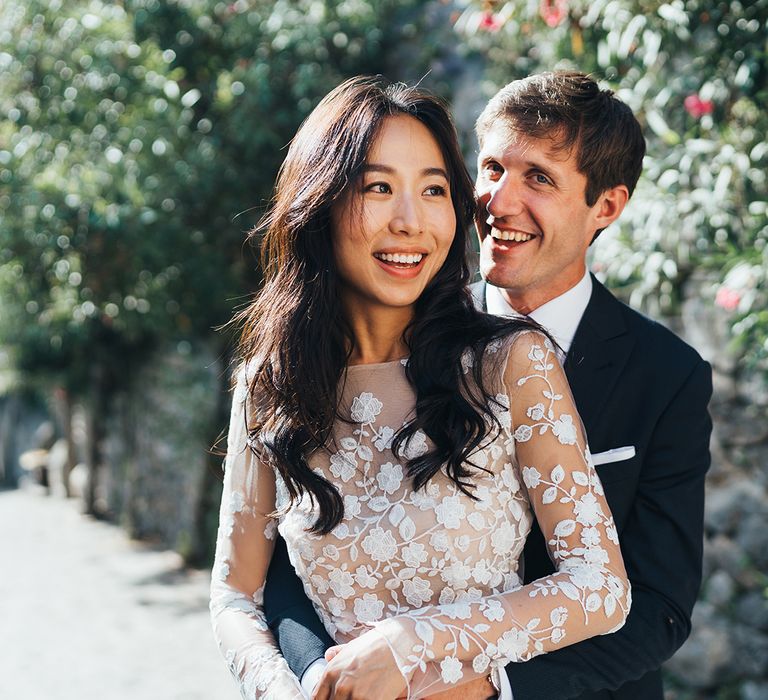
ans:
(400, 257)
(517, 236)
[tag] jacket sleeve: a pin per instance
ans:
(662, 546)
(300, 634)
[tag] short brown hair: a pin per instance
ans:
(571, 107)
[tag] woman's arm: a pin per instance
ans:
(438, 646)
(243, 550)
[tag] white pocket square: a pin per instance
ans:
(618, 454)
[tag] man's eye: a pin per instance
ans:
(541, 179)
(493, 169)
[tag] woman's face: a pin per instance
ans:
(393, 228)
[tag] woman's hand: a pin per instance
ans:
(363, 669)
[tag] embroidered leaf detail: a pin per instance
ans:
(569, 589)
(464, 640)
(565, 528)
(594, 602)
(348, 443)
(396, 514)
(407, 529)
(425, 632)
(379, 504)
(549, 495)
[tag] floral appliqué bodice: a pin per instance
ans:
(433, 570)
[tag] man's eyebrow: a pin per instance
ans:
(546, 169)
(381, 168)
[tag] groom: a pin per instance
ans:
(559, 158)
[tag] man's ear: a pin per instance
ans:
(609, 205)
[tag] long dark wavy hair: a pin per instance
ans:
(295, 339)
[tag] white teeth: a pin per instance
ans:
(402, 258)
(517, 236)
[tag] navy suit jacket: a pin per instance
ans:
(635, 384)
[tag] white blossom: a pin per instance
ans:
(389, 477)
(565, 430)
(379, 544)
(365, 408)
(369, 608)
(450, 512)
(450, 670)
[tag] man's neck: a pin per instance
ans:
(560, 315)
(525, 305)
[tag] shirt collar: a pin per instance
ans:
(560, 316)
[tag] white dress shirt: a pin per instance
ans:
(561, 317)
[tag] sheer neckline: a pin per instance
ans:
(388, 363)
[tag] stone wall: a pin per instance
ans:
(24, 425)
(158, 450)
(726, 656)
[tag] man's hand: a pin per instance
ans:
(478, 689)
(363, 669)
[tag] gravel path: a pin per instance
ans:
(87, 614)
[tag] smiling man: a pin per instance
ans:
(559, 159)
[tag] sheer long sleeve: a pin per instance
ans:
(243, 551)
(440, 645)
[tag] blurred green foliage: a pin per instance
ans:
(696, 74)
(139, 141)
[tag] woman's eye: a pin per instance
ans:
(435, 191)
(378, 188)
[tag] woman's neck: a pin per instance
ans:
(378, 334)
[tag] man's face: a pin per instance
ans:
(533, 220)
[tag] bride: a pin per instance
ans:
(401, 441)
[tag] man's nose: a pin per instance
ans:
(406, 218)
(504, 199)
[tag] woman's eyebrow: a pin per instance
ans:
(381, 168)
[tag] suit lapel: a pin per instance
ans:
(599, 353)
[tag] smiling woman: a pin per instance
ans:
(380, 424)
(392, 233)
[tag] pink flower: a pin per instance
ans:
(553, 12)
(727, 299)
(697, 107)
(489, 22)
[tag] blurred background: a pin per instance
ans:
(139, 142)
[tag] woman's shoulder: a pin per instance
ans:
(514, 339)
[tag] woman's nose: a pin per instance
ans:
(406, 219)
